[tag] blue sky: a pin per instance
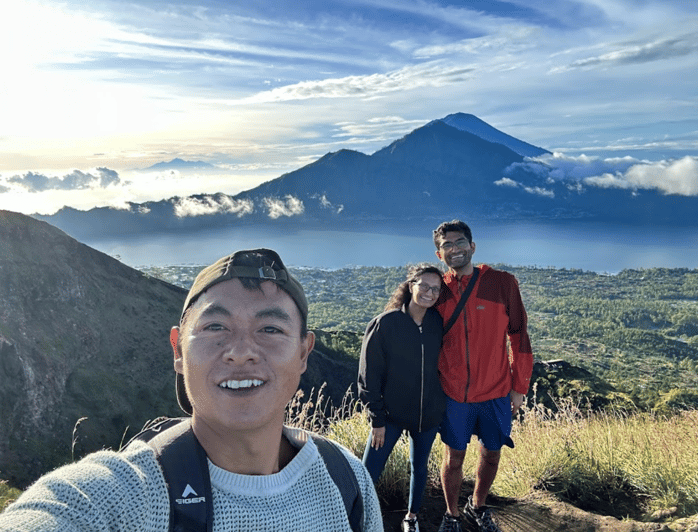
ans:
(92, 93)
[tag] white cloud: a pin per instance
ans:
(431, 74)
(289, 206)
(642, 52)
(507, 42)
(607, 181)
(506, 182)
(559, 166)
(538, 191)
(384, 127)
(678, 177)
(325, 203)
(219, 204)
(75, 180)
(94, 84)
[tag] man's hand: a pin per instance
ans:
(377, 437)
(517, 401)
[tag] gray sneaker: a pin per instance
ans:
(482, 517)
(450, 524)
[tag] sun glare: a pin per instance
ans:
(46, 104)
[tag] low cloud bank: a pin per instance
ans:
(76, 180)
(193, 206)
(289, 206)
(222, 204)
(676, 176)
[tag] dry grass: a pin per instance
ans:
(609, 460)
(613, 462)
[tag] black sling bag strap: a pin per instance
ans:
(189, 484)
(463, 299)
(345, 479)
(188, 481)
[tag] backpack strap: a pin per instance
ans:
(189, 484)
(343, 476)
(463, 299)
(188, 481)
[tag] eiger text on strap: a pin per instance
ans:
(189, 484)
(188, 481)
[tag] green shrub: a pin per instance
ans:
(7, 494)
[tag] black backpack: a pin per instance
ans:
(189, 484)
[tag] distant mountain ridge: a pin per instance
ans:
(180, 164)
(456, 167)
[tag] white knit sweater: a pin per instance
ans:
(110, 492)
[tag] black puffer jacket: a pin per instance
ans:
(398, 371)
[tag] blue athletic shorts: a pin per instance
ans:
(489, 420)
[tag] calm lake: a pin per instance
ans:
(585, 246)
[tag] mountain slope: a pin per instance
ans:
(430, 165)
(84, 336)
(472, 124)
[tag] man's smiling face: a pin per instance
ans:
(455, 250)
(242, 355)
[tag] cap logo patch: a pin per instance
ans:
(267, 272)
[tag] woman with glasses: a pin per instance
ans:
(399, 380)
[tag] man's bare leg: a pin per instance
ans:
(486, 472)
(452, 478)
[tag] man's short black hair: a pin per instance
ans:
(452, 226)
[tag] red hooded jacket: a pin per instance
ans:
(476, 363)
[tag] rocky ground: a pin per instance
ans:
(538, 513)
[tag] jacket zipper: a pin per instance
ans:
(467, 355)
(421, 395)
(467, 346)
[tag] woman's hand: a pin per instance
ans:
(377, 437)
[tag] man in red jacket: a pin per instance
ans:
(485, 367)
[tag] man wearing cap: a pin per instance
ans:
(239, 351)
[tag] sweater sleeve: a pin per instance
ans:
(104, 492)
(521, 352)
(372, 368)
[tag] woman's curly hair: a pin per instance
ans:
(402, 294)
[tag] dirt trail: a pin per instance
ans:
(538, 513)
